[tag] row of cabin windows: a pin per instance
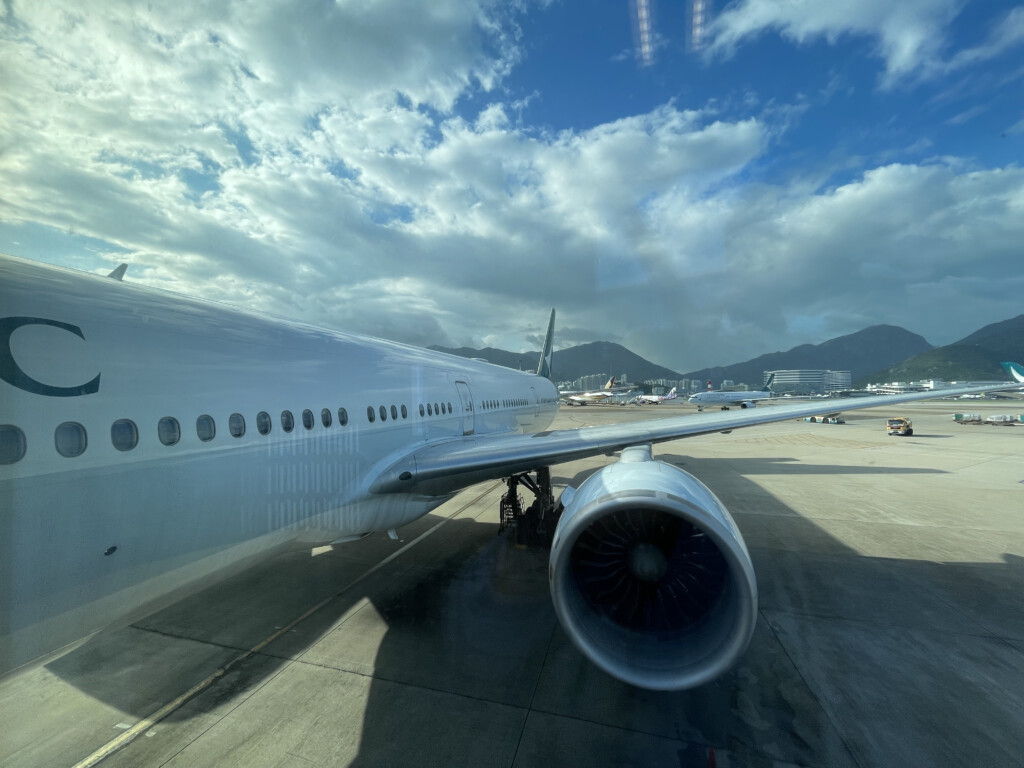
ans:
(71, 439)
(435, 409)
(512, 403)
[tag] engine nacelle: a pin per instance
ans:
(650, 577)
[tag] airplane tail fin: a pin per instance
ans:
(544, 366)
(672, 393)
(610, 384)
(768, 384)
(1015, 371)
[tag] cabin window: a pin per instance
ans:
(12, 444)
(436, 409)
(325, 417)
(342, 417)
(405, 413)
(383, 413)
(70, 439)
(124, 434)
(370, 414)
(421, 409)
(263, 423)
(287, 421)
(168, 430)
(236, 424)
(205, 428)
(394, 413)
(430, 411)
(307, 419)
(450, 407)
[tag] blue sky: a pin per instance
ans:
(445, 172)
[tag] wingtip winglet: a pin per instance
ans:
(118, 272)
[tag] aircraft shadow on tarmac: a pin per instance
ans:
(451, 654)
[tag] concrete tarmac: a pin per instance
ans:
(891, 630)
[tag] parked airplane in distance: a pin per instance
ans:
(151, 443)
(656, 399)
(582, 398)
(726, 399)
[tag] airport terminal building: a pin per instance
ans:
(809, 382)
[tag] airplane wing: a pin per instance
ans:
(444, 467)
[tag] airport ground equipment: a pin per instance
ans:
(997, 419)
(899, 425)
(1002, 420)
(967, 418)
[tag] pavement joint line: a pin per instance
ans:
(803, 679)
(652, 734)
(405, 683)
(146, 723)
(533, 695)
(877, 625)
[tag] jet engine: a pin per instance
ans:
(650, 577)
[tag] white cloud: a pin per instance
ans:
(1006, 33)
(908, 35)
(314, 167)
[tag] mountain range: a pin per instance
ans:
(879, 353)
(973, 358)
(596, 357)
(860, 353)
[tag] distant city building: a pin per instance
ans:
(592, 382)
(809, 382)
(897, 387)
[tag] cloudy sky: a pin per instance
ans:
(446, 171)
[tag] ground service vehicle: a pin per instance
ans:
(899, 426)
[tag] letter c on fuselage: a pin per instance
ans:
(11, 372)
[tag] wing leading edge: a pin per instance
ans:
(444, 467)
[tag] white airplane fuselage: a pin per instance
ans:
(89, 538)
(728, 398)
(656, 399)
(589, 397)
